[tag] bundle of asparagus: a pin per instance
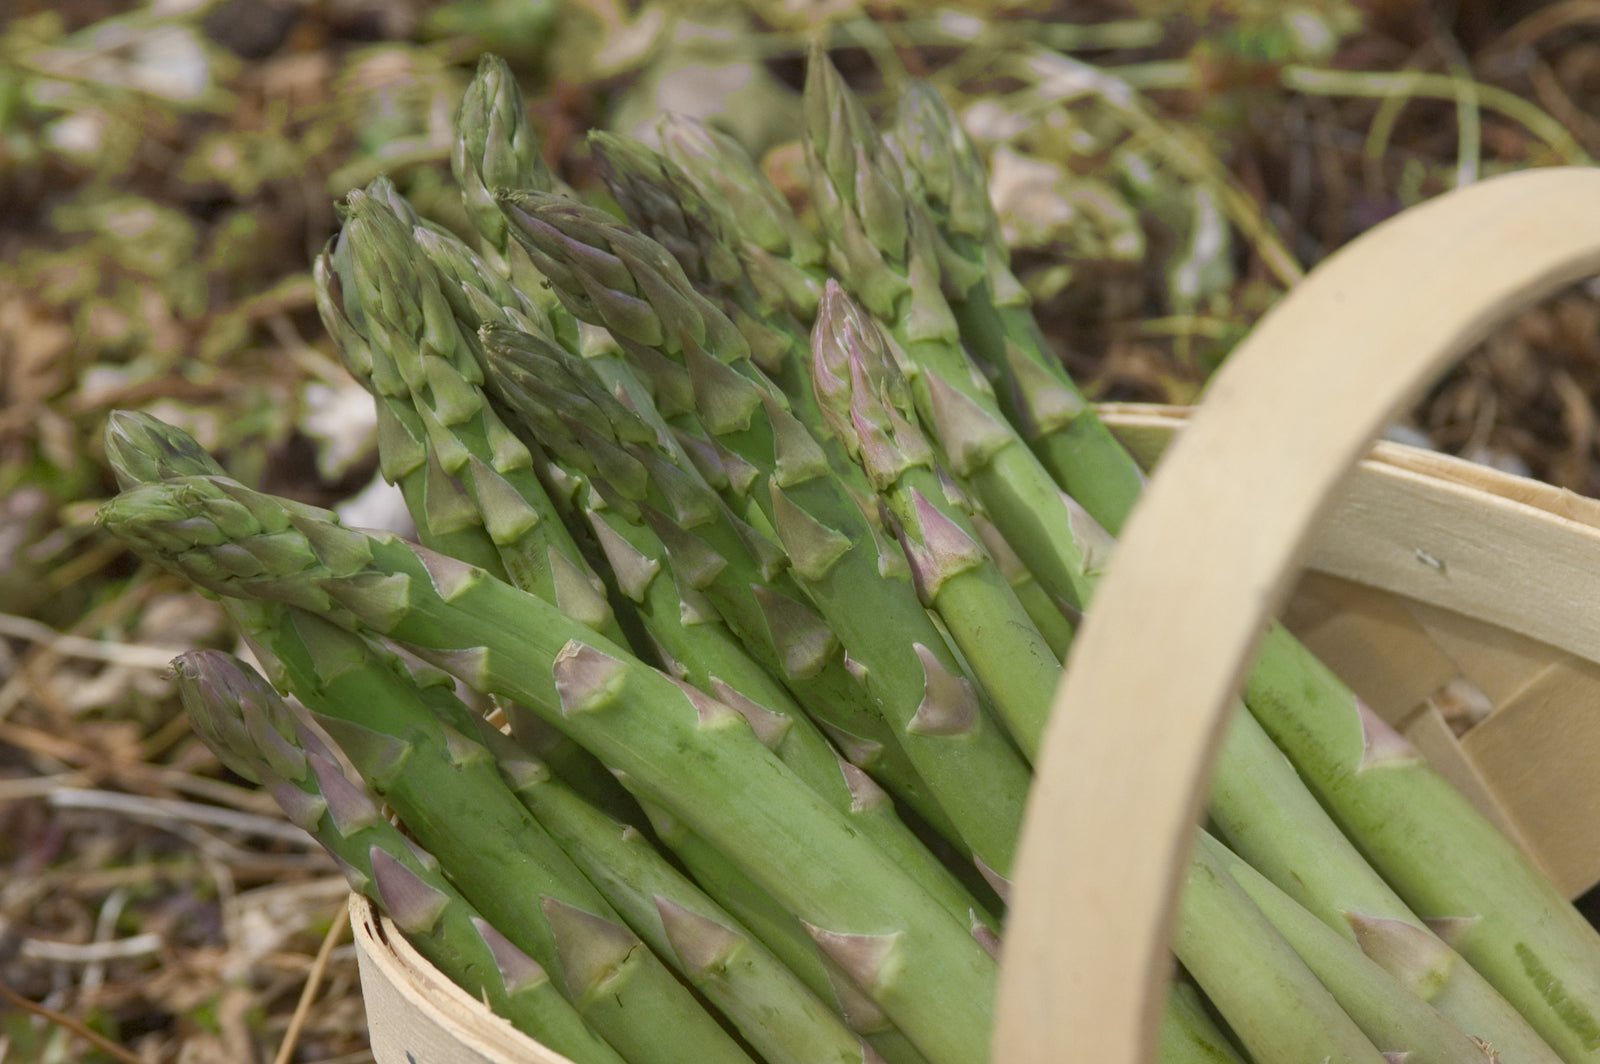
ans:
(761, 548)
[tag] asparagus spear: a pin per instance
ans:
(1450, 864)
(658, 197)
(495, 147)
(783, 1020)
(609, 273)
(374, 703)
(867, 402)
(488, 508)
(254, 732)
(1314, 718)
(784, 260)
(693, 756)
(643, 478)
(785, 935)
(943, 171)
(1274, 1005)
(882, 246)
(1548, 969)
(1262, 807)
(401, 301)
(536, 378)
(444, 787)
(1391, 1014)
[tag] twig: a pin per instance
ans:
(39, 949)
(302, 1008)
(167, 810)
(1447, 87)
(76, 646)
(61, 1019)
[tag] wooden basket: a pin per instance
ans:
(1452, 597)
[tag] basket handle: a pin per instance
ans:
(1208, 555)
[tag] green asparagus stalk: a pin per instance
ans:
(1383, 1006)
(944, 172)
(868, 404)
(609, 273)
(1452, 866)
(495, 147)
(402, 305)
(694, 757)
(651, 488)
(1548, 969)
(500, 518)
(776, 1013)
(1274, 1005)
(704, 653)
(883, 248)
(253, 731)
(784, 260)
(785, 935)
(1263, 809)
(444, 787)
(1188, 1033)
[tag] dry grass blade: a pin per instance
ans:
(61, 1019)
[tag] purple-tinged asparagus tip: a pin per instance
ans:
(858, 752)
(1046, 404)
(725, 399)
(708, 711)
(1094, 543)
(984, 935)
(797, 455)
(382, 757)
(969, 435)
(577, 593)
(945, 550)
(303, 810)
(694, 562)
(1001, 885)
(1418, 958)
(634, 571)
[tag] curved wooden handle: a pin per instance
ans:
(1207, 557)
